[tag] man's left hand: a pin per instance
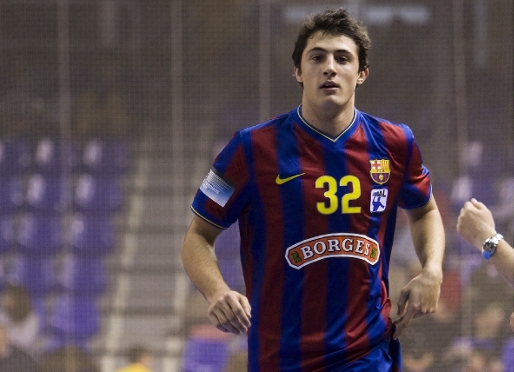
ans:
(420, 296)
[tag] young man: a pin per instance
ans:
(476, 225)
(315, 192)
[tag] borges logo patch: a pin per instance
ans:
(333, 245)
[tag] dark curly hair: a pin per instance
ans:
(333, 22)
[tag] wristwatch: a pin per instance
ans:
(490, 245)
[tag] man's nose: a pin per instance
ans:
(329, 68)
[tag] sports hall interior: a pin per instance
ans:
(112, 112)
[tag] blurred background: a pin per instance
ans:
(113, 110)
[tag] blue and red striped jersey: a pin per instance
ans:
(316, 216)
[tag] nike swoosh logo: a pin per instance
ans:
(280, 181)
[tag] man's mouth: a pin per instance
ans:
(329, 85)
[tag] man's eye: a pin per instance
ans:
(342, 59)
(317, 57)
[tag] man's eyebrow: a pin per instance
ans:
(316, 49)
(319, 49)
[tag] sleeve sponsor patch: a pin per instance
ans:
(216, 188)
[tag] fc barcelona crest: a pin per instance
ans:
(379, 170)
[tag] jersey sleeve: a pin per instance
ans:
(416, 186)
(220, 199)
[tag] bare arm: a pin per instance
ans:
(421, 295)
(228, 310)
(476, 224)
(503, 259)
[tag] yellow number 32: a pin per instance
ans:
(331, 205)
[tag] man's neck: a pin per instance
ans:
(329, 121)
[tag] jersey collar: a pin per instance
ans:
(349, 129)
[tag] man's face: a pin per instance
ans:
(329, 71)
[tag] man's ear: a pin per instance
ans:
(297, 73)
(363, 75)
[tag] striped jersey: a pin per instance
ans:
(316, 216)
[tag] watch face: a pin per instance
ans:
(489, 246)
